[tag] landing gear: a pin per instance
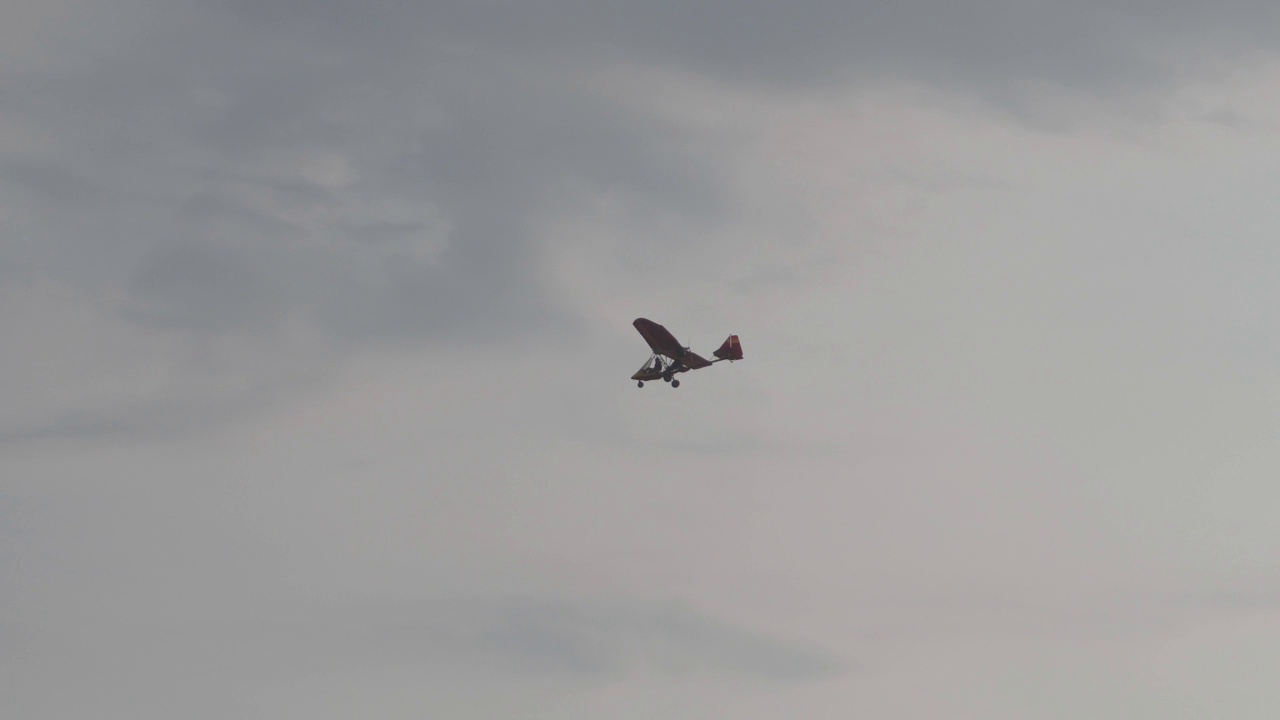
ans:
(675, 383)
(666, 377)
(640, 383)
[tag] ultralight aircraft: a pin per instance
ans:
(670, 357)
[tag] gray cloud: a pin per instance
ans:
(232, 183)
(221, 671)
(389, 174)
(292, 298)
(598, 640)
(205, 145)
(986, 44)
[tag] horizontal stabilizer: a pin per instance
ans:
(730, 350)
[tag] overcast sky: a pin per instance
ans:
(316, 331)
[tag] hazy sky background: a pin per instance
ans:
(317, 327)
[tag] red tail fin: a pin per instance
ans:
(730, 350)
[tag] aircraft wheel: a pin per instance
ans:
(666, 378)
(639, 383)
(675, 383)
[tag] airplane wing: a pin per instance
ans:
(664, 343)
(659, 338)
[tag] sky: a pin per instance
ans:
(316, 325)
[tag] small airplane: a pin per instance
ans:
(670, 357)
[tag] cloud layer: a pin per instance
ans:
(317, 329)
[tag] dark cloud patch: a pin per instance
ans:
(224, 132)
(69, 427)
(992, 47)
(214, 215)
(593, 639)
(385, 232)
(47, 180)
(206, 288)
(205, 397)
(481, 650)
